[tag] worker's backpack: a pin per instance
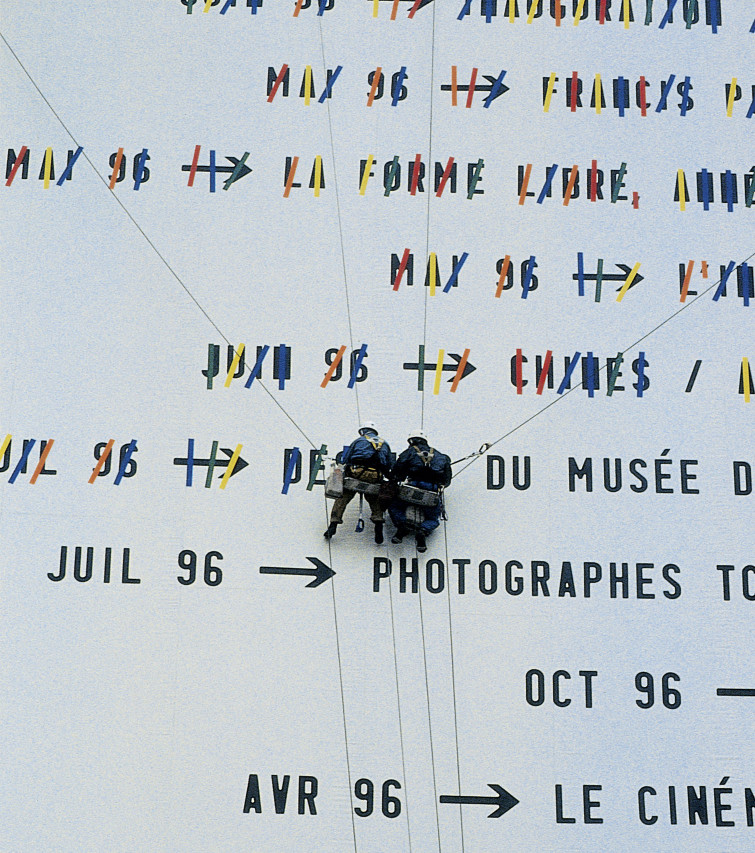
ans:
(434, 465)
(366, 451)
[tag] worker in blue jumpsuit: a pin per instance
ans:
(369, 459)
(426, 468)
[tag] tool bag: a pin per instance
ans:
(417, 496)
(334, 483)
(355, 485)
(414, 517)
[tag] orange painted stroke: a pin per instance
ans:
(291, 176)
(333, 366)
(685, 283)
(377, 77)
(101, 461)
(502, 277)
(570, 184)
(460, 370)
(42, 460)
(116, 168)
(525, 182)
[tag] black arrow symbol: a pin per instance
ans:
(468, 367)
(241, 463)
(612, 276)
(243, 169)
(636, 280)
(431, 366)
(321, 572)
(480, 87)
(503, 801)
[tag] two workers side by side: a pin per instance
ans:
(369, 460)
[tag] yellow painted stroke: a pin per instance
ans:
(234, 365)
(231, 465)
(438, 371)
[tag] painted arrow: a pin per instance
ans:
(238, 170)
(612, 276)
(320, 572)
(241, 463)
(503, 801)
(480, 87)
(636, 280)
(431, 366)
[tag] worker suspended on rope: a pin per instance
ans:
(367, 462)
(425, 470)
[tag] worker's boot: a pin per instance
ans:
(398, 535)
(378, 532)
(421, 542)
(331, 531)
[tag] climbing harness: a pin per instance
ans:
(425, 455)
